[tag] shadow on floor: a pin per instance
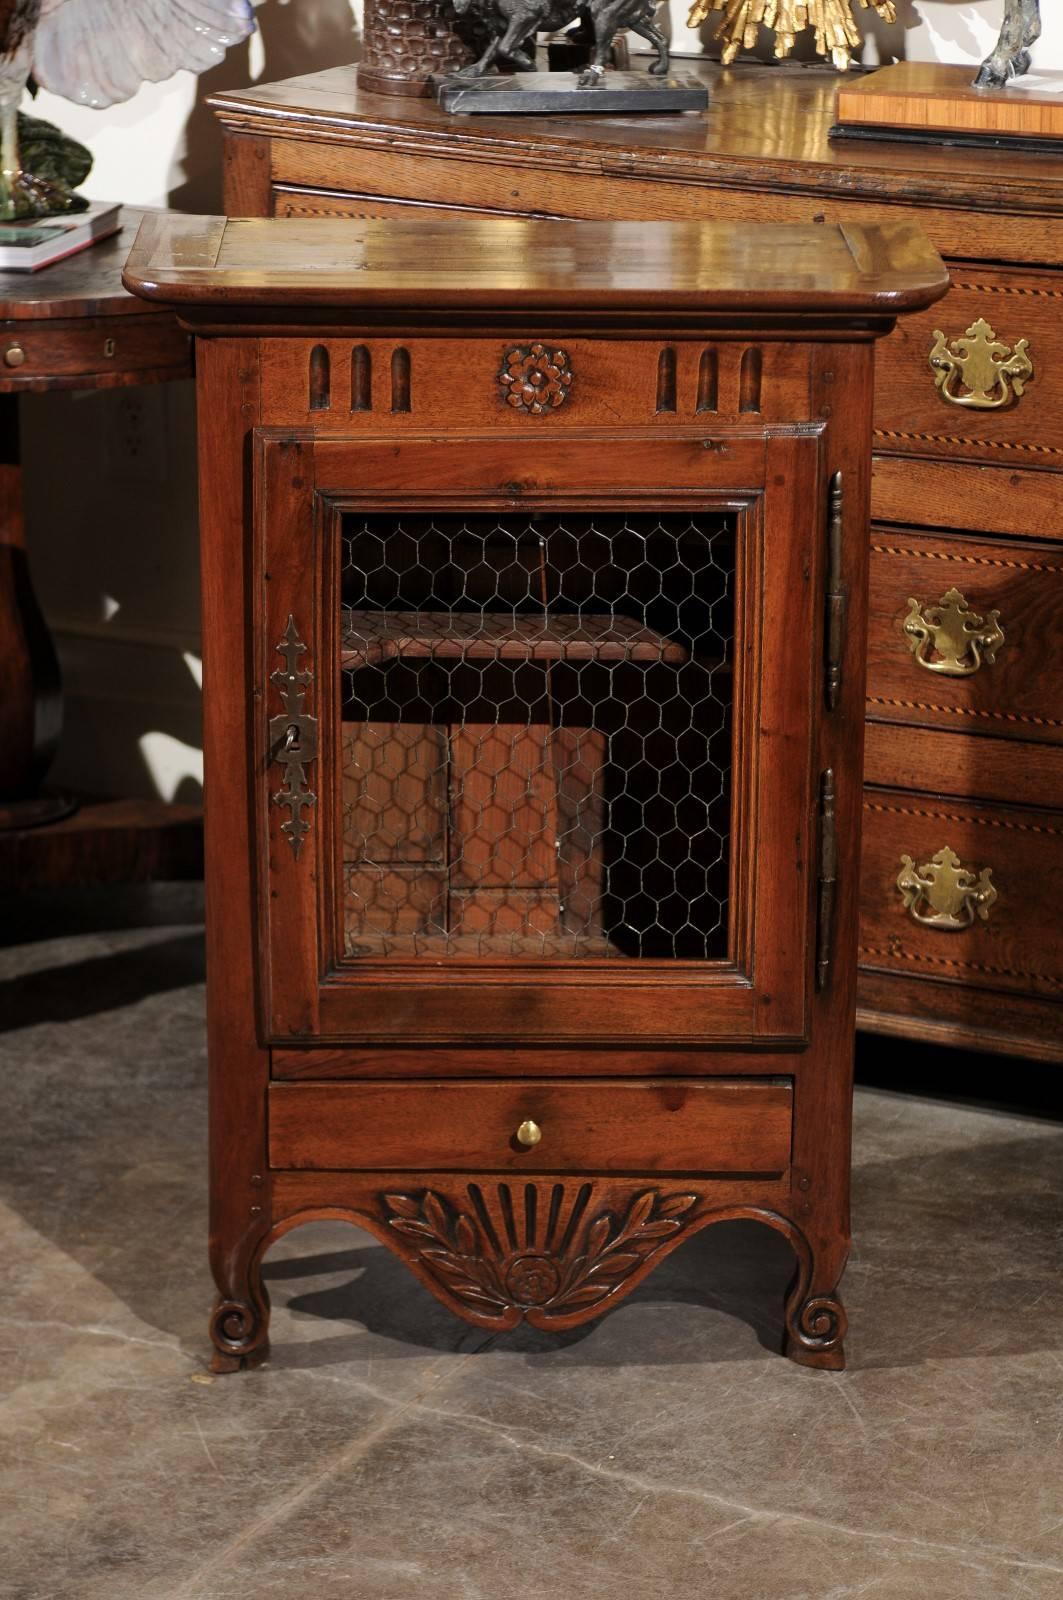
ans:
(100, 983)
(739, 1268)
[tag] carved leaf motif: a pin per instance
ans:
(615, 1265)
(403, 1205)
(674, 1205)
(598, 1235)
(658, 1230)
(587, 1293)
(433, 1210)
(445, 1262)
(640, 1210)
(465, 1236)
(414, 1226)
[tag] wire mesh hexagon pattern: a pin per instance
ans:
(537, 735)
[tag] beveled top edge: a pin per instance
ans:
(514, 264)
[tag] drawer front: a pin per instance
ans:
(995, 391)
(661, 1125)
(966, 634)
(967, 894)
(996, 497)
(965, 765)
(61, 354)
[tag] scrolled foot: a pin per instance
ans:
(815, 1332)
(240, 1333)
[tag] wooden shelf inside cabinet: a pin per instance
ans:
(371, 637)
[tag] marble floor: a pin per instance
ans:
(388, 1452)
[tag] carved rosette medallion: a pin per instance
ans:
(536, 379)
(539, 1252)
(532, 1280)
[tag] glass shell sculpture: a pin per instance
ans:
(97, 52)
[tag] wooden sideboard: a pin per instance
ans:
(963, 817)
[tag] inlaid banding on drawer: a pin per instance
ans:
(1000, 337)
(994, 941)
(662, 1125)
(996, 666)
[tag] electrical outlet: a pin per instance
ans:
(137, 436)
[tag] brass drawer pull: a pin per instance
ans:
(949, 637)
(528, 1134)
(943, 894)
(980, 365)
(14, 356)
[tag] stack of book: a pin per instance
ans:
(28, 246)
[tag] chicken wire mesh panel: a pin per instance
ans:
(537, 735)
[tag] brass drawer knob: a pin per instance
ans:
(14, 356)
(944, 894)
(529, 1133)
(979, 370)
(949, 637)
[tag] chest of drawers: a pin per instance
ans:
(963, 755)
(534, 597)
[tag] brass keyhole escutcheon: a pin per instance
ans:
(529, 1133)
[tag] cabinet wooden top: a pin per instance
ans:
(463, 267)
(766, 128)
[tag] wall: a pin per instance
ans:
(111, 497)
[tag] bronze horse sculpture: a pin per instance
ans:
(1010, 56)
(511, 25)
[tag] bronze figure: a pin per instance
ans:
(511, 27)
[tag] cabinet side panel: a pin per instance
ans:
(239, 1069)
(823, 1092)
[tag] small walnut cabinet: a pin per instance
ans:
(534, 575)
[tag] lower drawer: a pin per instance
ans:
(966, 634)
(962, 892)
(662, 1125)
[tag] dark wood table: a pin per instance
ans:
(69, 326)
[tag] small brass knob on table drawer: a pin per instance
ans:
(14, 356)
(529, 1133)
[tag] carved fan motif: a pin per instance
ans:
(539, 1255)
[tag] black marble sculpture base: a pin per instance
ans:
(560, 92)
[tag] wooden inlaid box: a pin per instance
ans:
(535, 601)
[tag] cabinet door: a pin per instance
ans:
(534, 746)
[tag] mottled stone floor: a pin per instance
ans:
(389, 1452)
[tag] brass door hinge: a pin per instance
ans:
(828, 878)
